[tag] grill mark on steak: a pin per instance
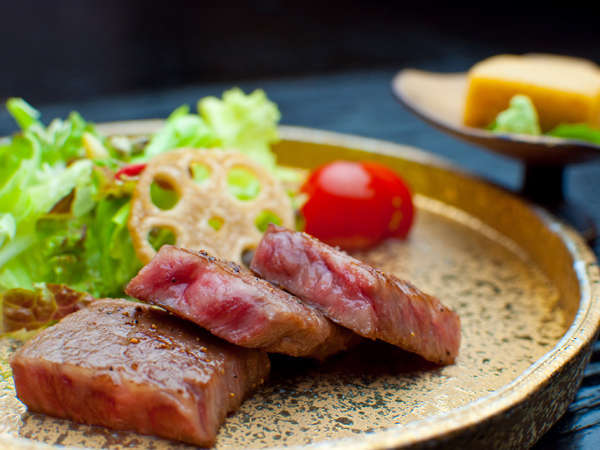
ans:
(235, 305)
(155, 374)
(357, 296)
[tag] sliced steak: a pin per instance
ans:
(130, 366)
(357, 296)
(233, 304)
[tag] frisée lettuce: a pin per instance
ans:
(63, 214)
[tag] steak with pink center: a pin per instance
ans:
(357, 296)
(233, 304)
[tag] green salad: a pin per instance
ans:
(63, 213)
(521, 117)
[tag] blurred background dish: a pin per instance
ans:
(439, 99)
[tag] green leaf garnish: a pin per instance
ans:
(520, 117)
(577, 131)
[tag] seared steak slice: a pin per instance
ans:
(357, 296)
(233, 304)
(130, 366)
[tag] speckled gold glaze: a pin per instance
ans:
(527, 291)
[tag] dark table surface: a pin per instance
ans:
(360, 102)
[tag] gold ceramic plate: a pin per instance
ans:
(526, 288)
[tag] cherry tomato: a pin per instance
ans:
(131, 170)
(356, 205)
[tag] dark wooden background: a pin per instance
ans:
(67, 50)
(327, 64)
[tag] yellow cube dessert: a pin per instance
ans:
(562, 89)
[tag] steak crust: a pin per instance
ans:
(130, 366)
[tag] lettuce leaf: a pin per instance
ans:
(577, 131)
(8, 227)
(24, 114)
(247, 123)
(49, 195)
(33, 182)
(181, 129)
(60, 141)
(109, 254)
(24, 309)
(520, 117)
